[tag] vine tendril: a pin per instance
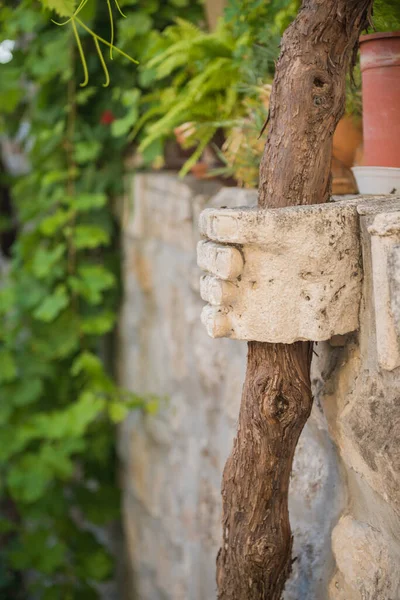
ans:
(112, 28)
(119, 9)
(74, 20)
(78, 10)
(92, 33)
(103, 63)
(81, 54)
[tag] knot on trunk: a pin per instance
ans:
(275, 407)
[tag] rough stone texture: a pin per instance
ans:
(369, 566)
(361, 402)
(171, 462)
(385, 232)
(394, 286)
(281, 275)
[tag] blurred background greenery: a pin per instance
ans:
(198, 98)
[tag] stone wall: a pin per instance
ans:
(343, 503)
(362, 405)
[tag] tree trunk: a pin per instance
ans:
(307, 102)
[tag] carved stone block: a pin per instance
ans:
(281, 275)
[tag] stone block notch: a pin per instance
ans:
(281, 275)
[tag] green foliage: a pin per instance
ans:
(206, 75)
(243, 148)
(386, 15)
(70, 9)
(64, 8)
(203, 83)
(59, 401)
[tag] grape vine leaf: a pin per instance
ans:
(64, 8)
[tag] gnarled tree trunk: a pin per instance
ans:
(307, 102)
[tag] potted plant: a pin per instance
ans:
(380, 69)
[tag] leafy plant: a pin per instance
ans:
(243, 148)
(71, 10)
(202, 84)
(386, 15)
(205, 76)
(59, 299)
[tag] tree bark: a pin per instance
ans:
(307, 101)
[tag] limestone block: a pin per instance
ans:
(394, 285)
(281, 275)
(367, 562)
(385, 248)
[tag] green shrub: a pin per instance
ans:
(59, 300)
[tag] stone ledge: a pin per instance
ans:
(284, 275)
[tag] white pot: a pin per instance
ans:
(377, 180)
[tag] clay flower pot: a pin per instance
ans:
(200, 170)
(380, 68)
(347, 140)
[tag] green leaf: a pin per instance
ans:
(153, 151)
(64, 8)
(28, 478)
(93, 280)
(60, 337)
(90, 236)
(87, 151)
(32, 474)
(56, 176)
(45, 260)
(6, 411)
(82, 96)
(131, 98)
(24, 392)
(7, 298)
(137, 23)
(9, 100)
(98, 324)
(52, 305)
(8, 367)
(100, 506)
(57, 458)
(41, 551)
(88, 363)
(117, 411)
(71, 422)
(97, 565)
(54, 222)
(10, 88)
(87, 202)
(123, 126)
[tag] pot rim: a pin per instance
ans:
(382, 170)
(377, 36)
(369, 167)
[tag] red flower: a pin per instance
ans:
(107, 117)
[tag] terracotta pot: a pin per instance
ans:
(380, 68)
(347, 139)
(200, 170)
